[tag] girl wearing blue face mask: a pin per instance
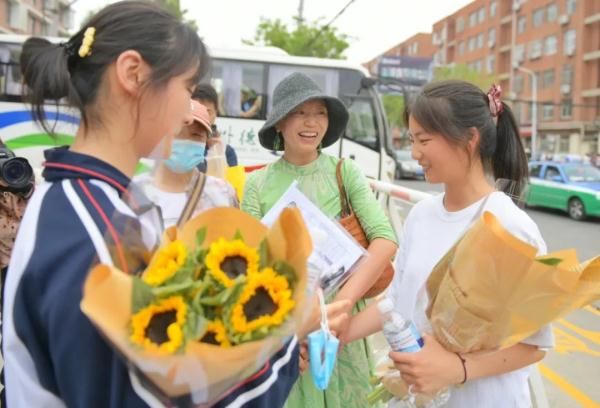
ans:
(171, 183)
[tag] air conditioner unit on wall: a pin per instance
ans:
(570, 52)
(516, 5)
(565, 89)
(564, 19)
(491, 43)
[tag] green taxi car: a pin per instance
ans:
(572, 187)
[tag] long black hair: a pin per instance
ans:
(57, 71)
(451, 108)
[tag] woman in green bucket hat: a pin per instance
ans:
(304, 120)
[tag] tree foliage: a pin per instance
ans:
(460, 71)
(174, 7)
(394, 109)
(312, 39)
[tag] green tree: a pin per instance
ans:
(312, 39)
(174, 7)
(463, 72)
(394, 109)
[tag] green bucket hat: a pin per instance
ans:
(293, 91)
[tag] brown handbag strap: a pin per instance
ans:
(192, 202)
(344, 202)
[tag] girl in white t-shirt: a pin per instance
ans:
(462, 137)
(169, 186)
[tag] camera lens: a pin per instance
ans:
(17, 173)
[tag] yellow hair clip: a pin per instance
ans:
(86, 44)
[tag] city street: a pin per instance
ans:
(570, 371)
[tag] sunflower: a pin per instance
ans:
(216, 334)
(265, 302)
(167, 261)
(159, 327)
(226, 260)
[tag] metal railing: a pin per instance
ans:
(398, 202)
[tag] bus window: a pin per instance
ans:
(327, 79)
(362, 127)
(10, 73)
(240, 86)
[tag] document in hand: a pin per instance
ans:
(335, 252)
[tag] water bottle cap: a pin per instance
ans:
(385, 305)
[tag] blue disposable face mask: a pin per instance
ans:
(322, 349)
(185, 155)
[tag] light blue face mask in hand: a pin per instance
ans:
(322, 349)
(185, 155)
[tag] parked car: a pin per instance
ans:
(406, 166)
(572, 187)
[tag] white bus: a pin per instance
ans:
(245, 79)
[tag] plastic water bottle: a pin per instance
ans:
(403, 336)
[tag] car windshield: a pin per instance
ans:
(403, 155)
(582, 173)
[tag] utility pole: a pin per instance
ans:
(301, 13)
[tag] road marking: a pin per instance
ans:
(568, 388)
(567, 343)
(592, 309)
(591, 335)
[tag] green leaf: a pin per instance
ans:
(141, 296)
(172, 289)
(238, 235)
(200, 236)
(550, 261)
(286, 270)
(263, 253)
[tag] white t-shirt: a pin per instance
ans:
(217, 193)
(429, 232)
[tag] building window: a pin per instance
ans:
(490, 63)
(518, 85)
(481, 15)
(566, 108)
(548, 111)
(570, 41)
(564, 144)
(472, 43)
(492, 37)
(461, 48)
(550, 45)
(519, 53)
(522, 24)
(567, 74)
(480, 40)
(538, 17)
(460, 24)
(571, 6)
(548, 78)
(493, 9)
(473, 19)
(552, 13)
(477, 66)
(535, 49)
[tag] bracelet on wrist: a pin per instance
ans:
(464, 366)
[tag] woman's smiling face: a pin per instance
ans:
(304, 127)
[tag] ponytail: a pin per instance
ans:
(509, 160)
(46, 76)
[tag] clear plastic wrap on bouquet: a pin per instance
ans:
(214, 301)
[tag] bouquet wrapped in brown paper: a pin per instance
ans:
(490, 291)
(217, 300)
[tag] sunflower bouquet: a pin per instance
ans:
(218, 298)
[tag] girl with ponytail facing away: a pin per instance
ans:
(467, 140)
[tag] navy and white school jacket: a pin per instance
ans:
(54, 357)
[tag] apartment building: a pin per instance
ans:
(557, 41)
(36, 17)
